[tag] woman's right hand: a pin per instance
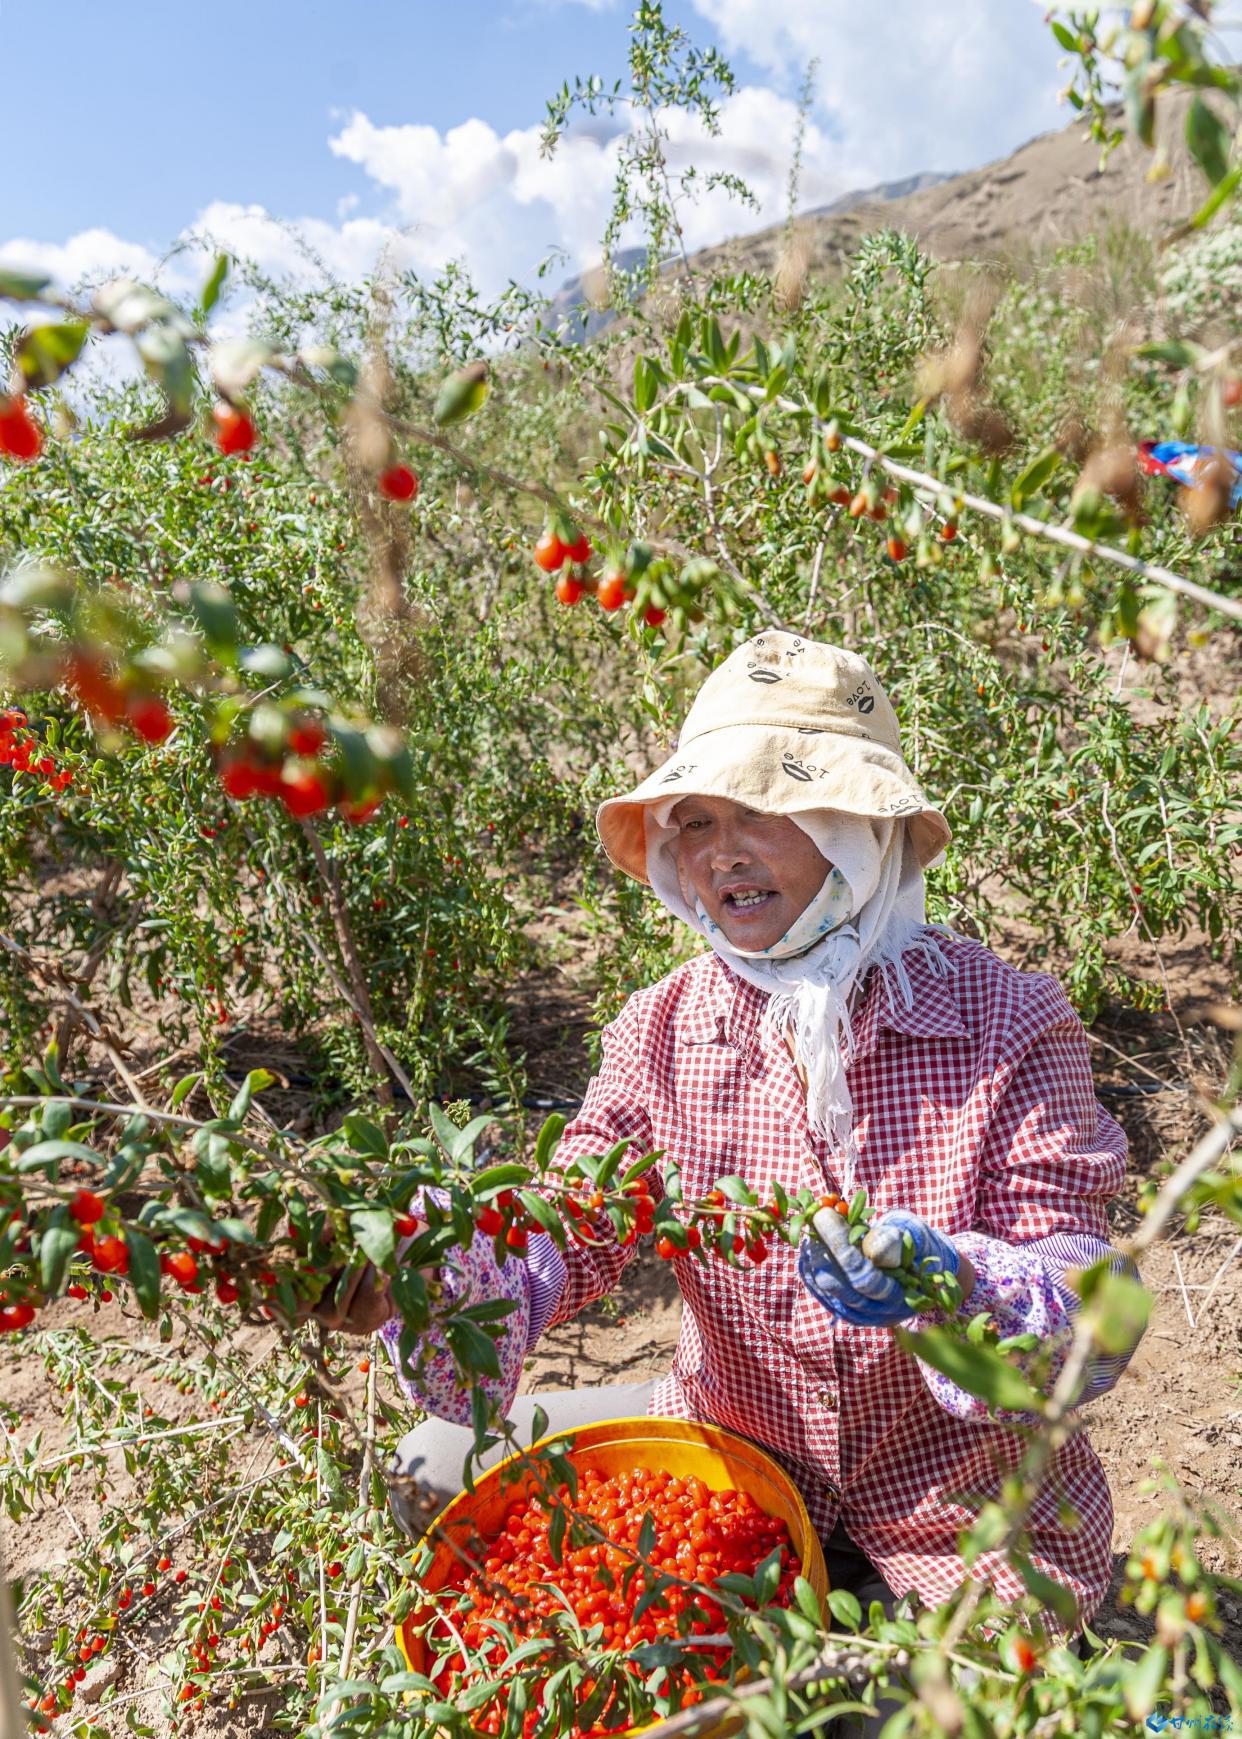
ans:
(363, 1306)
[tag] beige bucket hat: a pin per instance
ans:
(784, 725)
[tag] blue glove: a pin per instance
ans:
(849, 1279)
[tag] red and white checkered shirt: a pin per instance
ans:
(974, 1108)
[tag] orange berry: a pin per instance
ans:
(235, 433)
(398, 483)
(20, 436)
(611, 591)
(550, 552)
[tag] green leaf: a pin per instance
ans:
(236, 363)
(844, 1607)
(57, 1119)
(1209, 141)
(1223, 191)
(22, 286)
(144, 1272)
(556, 1532)
(1065, 36)
(775, 383)
(43, 1152)
(443, 1127)
(808, 1600)
(611, 1163)
(640, 1167)
(216, 615)
(266, 661)
(189, 1221)
(461, 395)
(713, 344)
(357, 760)
(647, 1536)
(545, 1143)
(1177, 352)
(373, 1233)
(1050, 1593)
(213, 286)
(1120, 1307)
(56, 1247)
(392, 757)
(468, 1135)
(364, 1136)
(768, 1577)
(45, 352)
(1142, 1681)
(166, 358)
(474, 1350)
(646, 385)
(1032, 478)
(185, 1086)
(127, 306)
(395, 1683)
(977, 1327)
(1140, 105)
(977, 1369)
(499, 1177)
(544, 1215)
(254, 1083)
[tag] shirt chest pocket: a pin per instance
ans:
(719, 1123)
(703, 1127)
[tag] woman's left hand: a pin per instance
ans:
(846, 1279)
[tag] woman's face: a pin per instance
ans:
(725, 852)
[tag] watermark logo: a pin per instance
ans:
(1159, 1722)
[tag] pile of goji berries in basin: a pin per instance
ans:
(700, 1535)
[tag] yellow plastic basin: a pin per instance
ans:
(680, 1447)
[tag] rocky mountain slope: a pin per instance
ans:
(1052, 190)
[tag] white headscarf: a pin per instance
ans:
(870, 911)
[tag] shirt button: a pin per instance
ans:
(827, 1399)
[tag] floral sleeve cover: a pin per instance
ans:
(1022, 1289)
(475, 1277)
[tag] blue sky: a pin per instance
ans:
(168, 107)
(417, 124)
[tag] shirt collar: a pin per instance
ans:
(722, 1004)
(933, 1013)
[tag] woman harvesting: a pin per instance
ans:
(830, 1038)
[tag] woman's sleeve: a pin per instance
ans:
(472, 1277)
(614, 1108)
(1050, 1161)
(546, 1288)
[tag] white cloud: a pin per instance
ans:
(497, 203)
(906, 85)
(92, 253)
